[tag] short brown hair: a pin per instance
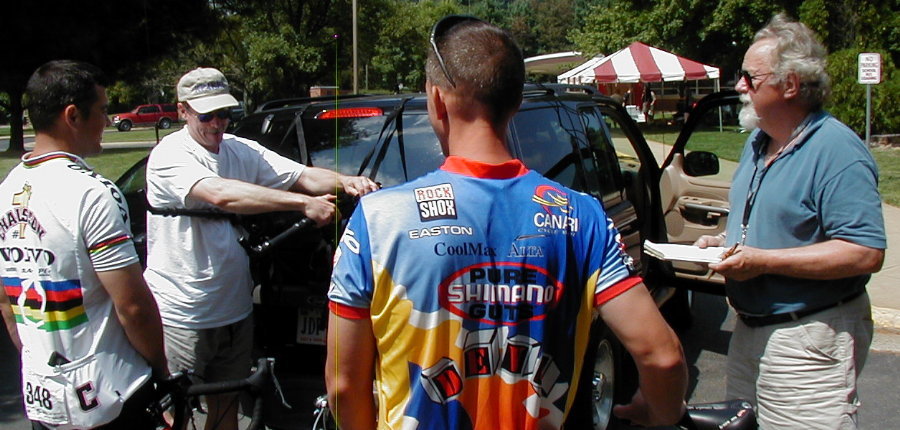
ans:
(60, 83)
(484, 62)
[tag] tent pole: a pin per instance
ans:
(720, 107)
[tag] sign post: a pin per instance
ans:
(869, 74)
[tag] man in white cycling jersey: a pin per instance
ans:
(76, 304)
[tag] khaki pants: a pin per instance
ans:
(802, 374)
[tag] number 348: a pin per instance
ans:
(37, 395)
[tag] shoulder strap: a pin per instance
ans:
(202, 213)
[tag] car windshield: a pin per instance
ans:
(356, 146)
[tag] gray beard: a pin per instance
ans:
(747, 116)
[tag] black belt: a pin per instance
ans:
(759, 321)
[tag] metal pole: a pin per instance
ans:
(355, 68)
(868, 113)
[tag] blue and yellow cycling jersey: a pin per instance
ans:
(480, 282)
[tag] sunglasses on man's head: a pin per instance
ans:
(221, 114)
(439, 30)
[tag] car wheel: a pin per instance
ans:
(165, 123)
(607, 378)
(124, 126)
(603, 383)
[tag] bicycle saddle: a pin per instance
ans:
(729, 415)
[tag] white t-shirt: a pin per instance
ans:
(60, 224)
(196, 269)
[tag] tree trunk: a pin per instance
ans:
(16, 126)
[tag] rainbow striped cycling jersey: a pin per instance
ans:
(60, 224)
(480, 282)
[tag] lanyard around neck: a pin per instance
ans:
(796, 136)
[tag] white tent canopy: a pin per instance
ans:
(582, 74)
(553, 64)
(638, 63)
(642, 63)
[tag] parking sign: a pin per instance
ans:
(870, 68)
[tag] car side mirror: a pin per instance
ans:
(701, 163)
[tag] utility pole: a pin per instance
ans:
(355, 68)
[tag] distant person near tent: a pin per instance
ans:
(649, 100)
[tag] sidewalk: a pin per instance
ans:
(883, 285)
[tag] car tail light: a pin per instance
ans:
(361, 112)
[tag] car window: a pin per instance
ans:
(604, 164)
(718, 131)
(169, 108)
(357, 142)
(148, 109)
(346, 150)
(274, 131)
(626, 155)
(134, 180)
(545, 137)
(421, 150)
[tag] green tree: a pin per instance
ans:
(95, 31)
(402, 47)
(718, 33)
(278, 49)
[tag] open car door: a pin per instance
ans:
(696, 179)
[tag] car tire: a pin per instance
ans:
(165, 123)
(608, 378)
(124, 126)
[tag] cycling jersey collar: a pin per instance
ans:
(464, 166)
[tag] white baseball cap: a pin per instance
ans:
(205, 89)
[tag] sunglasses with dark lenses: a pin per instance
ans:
(221, 114)
(748, 78)
(439, 30)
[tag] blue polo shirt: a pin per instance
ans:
(824, 187)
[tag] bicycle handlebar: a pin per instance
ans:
(180, 388)
(300, 225)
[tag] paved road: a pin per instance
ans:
(705, 346)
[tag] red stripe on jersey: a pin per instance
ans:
(616, 289)
(348, 312)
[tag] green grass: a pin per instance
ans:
(888, 160)
(111, 163)
(137, 134)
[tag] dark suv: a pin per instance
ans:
(570, 134)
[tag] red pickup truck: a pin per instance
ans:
(162, 115)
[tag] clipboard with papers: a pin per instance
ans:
(678, 252)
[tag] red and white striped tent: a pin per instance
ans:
(642, 63)
(638, 63)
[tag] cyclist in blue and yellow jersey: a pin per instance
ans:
(468, 294)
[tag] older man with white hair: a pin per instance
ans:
(809, 232)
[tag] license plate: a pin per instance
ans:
(311, 326)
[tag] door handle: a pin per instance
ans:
(707, 208)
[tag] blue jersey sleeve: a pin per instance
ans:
(351, 280)
(615, 265)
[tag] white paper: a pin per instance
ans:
(674, 251)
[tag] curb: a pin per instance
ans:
(886, 319)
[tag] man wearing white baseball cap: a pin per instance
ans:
(199, 274)
(206, 89)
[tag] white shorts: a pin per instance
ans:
(802, 374)
(215, 354)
